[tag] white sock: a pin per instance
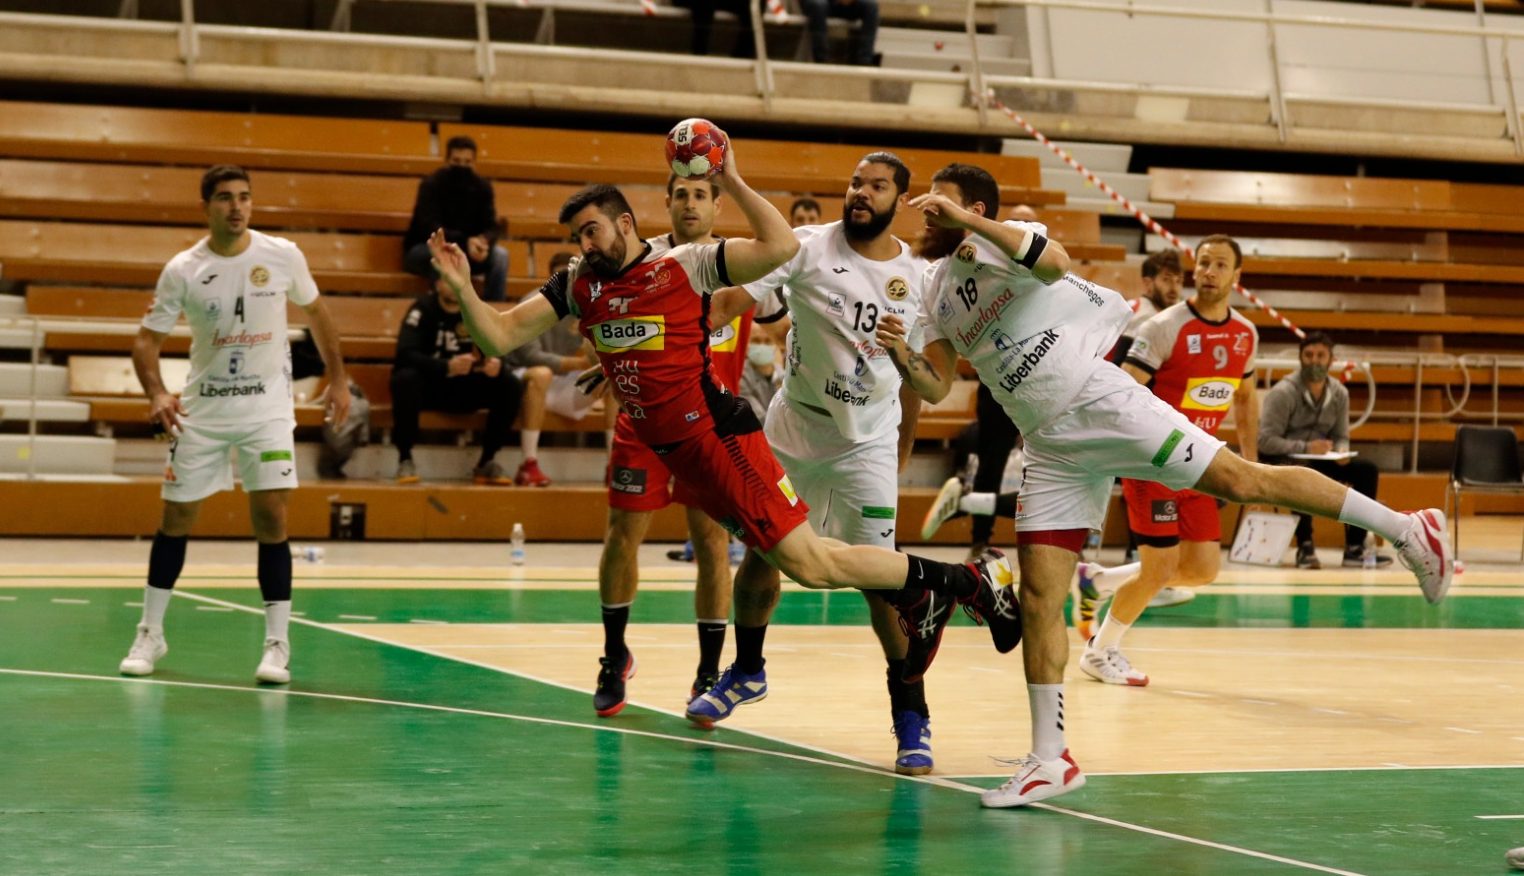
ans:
(982, 504)
(155, 601)
(1367, 513)
(1047, 701)
(1108, 581)
(529, 439)
(1111, 632)
(278, 620)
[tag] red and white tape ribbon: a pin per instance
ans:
(1148, 221)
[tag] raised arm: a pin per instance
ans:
(1044, 257)
(495, 331)
(748, 259)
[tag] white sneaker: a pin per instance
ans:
(1035, 780)
(146, 650)
(274, 666)
(943, 507)
(1172, 596)
(1425, 549)
(1110, 666)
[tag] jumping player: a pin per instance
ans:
(1038, 338)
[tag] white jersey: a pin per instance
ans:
(1033, 345)
(836, 298)
(240, 358)
(1143, 309)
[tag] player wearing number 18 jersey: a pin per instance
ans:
(1037, 337)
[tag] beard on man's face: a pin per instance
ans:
(608, 266)
(869, 228)
(936, 243)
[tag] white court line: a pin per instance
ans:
(7, 599)
(419, 620)
(1500, 817)
(1383, 768)
(357, 617)
(1462, 730)
(1191, 693)
(62, 601)
(848, 762)
(216, 608)
(132, 605)
(1322, 655)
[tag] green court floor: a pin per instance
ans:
(382, 759)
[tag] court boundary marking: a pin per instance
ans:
(844, 762)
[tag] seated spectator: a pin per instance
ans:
(548, 367)
(703, 25)
(1308, 413)
(864, 11)
(438, 368)
(461, 202)
(760, 376)
(804, 211)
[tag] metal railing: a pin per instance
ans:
(975, 77)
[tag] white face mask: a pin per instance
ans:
(761, 354)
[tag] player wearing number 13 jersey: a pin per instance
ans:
(1001, 298)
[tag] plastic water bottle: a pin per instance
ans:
(1368, 559)
(308, 553)
(516, 545)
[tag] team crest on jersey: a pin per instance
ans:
(1193, 343)
(213, 308)
(836, 304)
(944, 309)
(635, 333)
(259, 275)
(659, 277)
(966, 253)
(897, 289)
(1209, 393)
(1241, 344)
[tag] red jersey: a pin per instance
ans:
(1197, 364)
(727, 344)
(649, 328)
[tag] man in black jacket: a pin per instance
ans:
(438, 368)
(461, 202)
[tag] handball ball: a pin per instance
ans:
(696, 149)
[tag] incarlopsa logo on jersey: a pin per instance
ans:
(635, 333)
(1209, 393)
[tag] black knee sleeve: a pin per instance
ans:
(165, 560)
(275, 572)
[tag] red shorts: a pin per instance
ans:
(637, 478)
(738, 482)
(1162, 517)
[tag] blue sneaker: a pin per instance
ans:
(734, 688)
(913, 732)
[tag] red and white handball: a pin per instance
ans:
(696, 149)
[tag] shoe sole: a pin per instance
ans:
(930, 524)
(268, 679)
(1037, 795)
(911, 771)
(134, 671)
(1172, 602)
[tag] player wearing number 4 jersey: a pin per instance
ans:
(233, 287)
(1198, 357)
(1000, 297)
(647, 313)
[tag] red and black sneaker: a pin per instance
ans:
(924, 621)
(994, 604)
(608, 697)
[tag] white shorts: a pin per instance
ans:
(1115, 428)
(563, 397)
(198, 460)
(852, 488)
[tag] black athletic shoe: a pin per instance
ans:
(994, 603)
(608, 698)
(924, 622)
(1307, 556)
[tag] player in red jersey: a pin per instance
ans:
(1198, 356)
(639, 485)
(647, 315)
